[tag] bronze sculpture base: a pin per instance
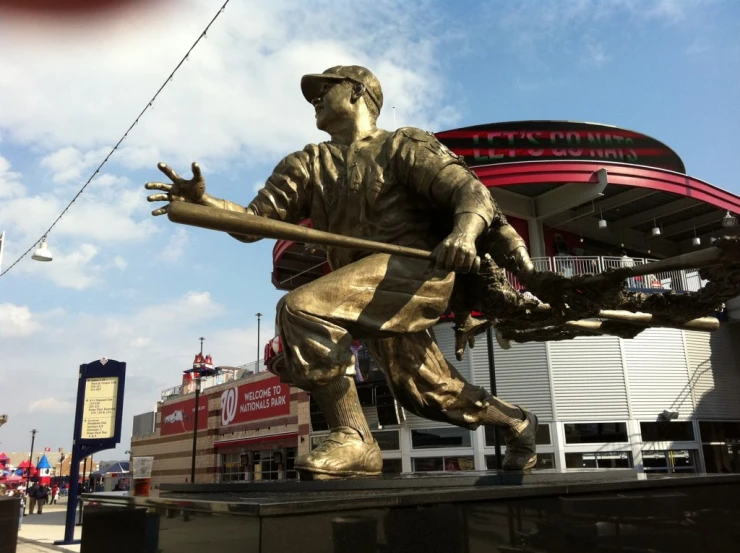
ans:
(576, 511)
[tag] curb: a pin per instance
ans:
(48, 546)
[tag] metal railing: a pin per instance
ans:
(242, 371)
(569, 266)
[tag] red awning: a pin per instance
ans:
(257, 440)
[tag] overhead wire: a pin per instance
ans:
(125, 135)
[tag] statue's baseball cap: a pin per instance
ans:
(311, 84)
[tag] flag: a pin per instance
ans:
(47, 449)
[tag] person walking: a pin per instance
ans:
(31, 493)
(38, 495)
(55, 494)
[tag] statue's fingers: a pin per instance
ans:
(465, 261)
(452, 253)
(159, 198)
(158, 186)
(169, 171)
(160, 211)
(196, 171)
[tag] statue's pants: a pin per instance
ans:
(390, 303)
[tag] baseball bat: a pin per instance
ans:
(239, 223)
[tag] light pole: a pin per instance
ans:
(195, 424)
(30, 458)
(494, 392)
(198, 372)
(259, 316)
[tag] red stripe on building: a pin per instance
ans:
(256, 439)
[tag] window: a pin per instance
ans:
(290, 454)
(719, 431)
(542, 437)
(231, 467)
(724, 458)
(316, 440)
(721, 445)
(392, 466)
(261, 464)
(665, 431)
(431, 438)
(388, 440)
(679, 461)
(615, 460)
(596, 433)
(544, 461)
(443, 464)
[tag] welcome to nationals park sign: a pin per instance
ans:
(249, 402)
(254, 401)
(517, 141)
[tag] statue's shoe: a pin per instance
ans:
(521, 451)
(343, 454)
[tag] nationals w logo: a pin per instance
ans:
(229, 400)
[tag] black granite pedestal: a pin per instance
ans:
(574, 512)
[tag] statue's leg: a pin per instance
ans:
(377, 295)
(426, 384)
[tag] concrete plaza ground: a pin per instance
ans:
(39, 532)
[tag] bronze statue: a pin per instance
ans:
(379, 202)
(401, 188)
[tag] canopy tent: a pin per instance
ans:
(115, 468)
(4, 459)
(26, 464)
(14, 478)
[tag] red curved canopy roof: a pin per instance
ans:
(635, 197)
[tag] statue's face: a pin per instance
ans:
(333, 106)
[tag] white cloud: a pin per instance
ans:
(157, 342)
(176, 245)
(237, 96)
(111, 211)
(68, 164)
(10, 184)
(69, 269)
(16, 321)
(141, 342)
(50, 405)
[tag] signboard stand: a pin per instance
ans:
(97, 427)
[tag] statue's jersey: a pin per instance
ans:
(384, 188)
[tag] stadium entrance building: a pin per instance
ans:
(585, 197)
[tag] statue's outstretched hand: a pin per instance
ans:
(181, 190)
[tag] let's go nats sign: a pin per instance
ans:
(515, 141)
(254, 401)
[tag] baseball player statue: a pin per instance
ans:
(403, 188)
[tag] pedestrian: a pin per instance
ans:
(41, 495)
(31, 493)
(55, 494)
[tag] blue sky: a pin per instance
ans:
(129, 287)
